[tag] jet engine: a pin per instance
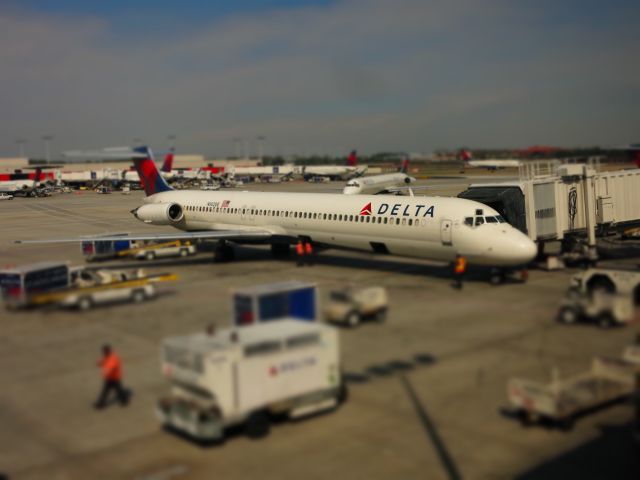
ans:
(159, 213)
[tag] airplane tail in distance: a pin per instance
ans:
(465, 155)
(168, 161)
(150, 178)
(404, 168)
(352, 159)
(38, 176)
(636, 158)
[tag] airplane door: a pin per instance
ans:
(445, 232)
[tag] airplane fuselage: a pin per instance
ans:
(437, 228)
(377, 183)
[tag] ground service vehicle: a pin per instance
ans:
(162, 250)
(6, 196)
(96, 249)
(604, 296)
(19, 284)
(352, 305)
(291, 300)
(244, 376)
(562, 400)
(75, 287)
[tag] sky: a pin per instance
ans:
(318, 76)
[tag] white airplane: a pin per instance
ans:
(109, 153)
(22, 187)
(335, 172)
(437, 228)
(490, 164)
(377, 184)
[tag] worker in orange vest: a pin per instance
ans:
(308, 251)
(459, 269)
(111, 367)
(300, 253)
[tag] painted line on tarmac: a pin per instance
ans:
(446, 459)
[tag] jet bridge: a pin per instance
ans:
(564, 201)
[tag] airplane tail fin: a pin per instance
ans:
(352, 159)
(37, 177)
(168, 161)
(150, 178)
(404, 168)
(465, 155)
(636, 158)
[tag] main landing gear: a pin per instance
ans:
(280, 250)
(224, 253)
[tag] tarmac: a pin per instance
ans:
(426, 388)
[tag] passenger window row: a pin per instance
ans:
(308, 215)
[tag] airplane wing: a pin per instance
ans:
(237, 235)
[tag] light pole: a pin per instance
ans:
(236, 147)
(21, 142)
(47, 139)
(261, 139)
(245, 148)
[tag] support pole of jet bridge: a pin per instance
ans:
(590, 211)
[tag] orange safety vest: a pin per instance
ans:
(461, 265)
(111, 367)
(300, 249)
(308, 248)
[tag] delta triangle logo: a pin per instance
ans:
(366, 210)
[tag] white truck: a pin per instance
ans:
(152, 251)
(350, 306)
(244, 376)
(58, 285)
(605, 296)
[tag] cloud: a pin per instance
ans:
(410, 75)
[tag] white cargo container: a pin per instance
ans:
(246, 375)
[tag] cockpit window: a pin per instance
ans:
(491, 219)
(353, 184)
(501, 219)
(479, 221)
(468, 221)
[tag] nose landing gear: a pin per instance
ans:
(499, 276)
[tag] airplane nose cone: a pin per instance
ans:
(134, 212)
(525, 250)
(512, 248)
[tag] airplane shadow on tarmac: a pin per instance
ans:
(245, 254)
(613, 454)
(387, 265)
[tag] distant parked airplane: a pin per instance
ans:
(336, 172)
(490, 164)
(385, 183)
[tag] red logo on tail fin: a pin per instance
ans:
(352, 159)
(366, 210)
